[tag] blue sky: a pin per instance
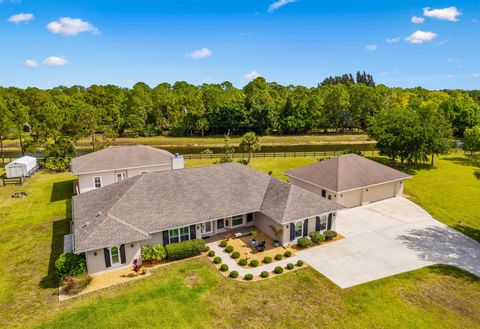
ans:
(50, 43)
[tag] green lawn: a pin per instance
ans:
(193, 294)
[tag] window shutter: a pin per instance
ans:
(193, 232)
(123, 259)
(317, 224)
(329, 222)
(292, 231)
(165, 238)
(106, 253)
(305, 227)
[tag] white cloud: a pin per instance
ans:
(417, 20)
(419, 37)
(19, 18)
(446, 14)
(393, 40)
(252, 75)
(200, 53)
(371, 47)
(55, 61)
(30, 63)
(279, 3)
(71, 27)
(476, 75)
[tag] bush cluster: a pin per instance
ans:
(316, 237)
(267, 260)
(248, 277)
(290, 266)
(154, 252)
(211, 253)
(300, 263)
(304, 242)
(223, 243)
(217, 260)
(278, 257)
(287, 253)
(235, 255)
(70, 264)
(234, 274)
(254, 263)
(228, 249)
(264, 274)
(330, 234)
(278, 270)
(185, 249)
(242, 262)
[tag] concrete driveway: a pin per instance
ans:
(390, 237)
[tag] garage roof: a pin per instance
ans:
(346, 172)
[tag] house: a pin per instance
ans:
(350, 180)
(111, 224)
(114, 164)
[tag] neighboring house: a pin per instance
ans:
(116, 163)
(350, 180)
(111, 224)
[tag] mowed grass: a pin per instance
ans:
(194, 294)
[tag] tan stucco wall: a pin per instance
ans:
(350, 198)
(86, 183)
(96, 264)
(263, 223)
(378, 192)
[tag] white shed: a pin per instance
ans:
(23, 167)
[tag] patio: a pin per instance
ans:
(241, 241)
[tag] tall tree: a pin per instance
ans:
(471, 140)
(437, 132)
(6, 124)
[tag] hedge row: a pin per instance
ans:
(185, 249)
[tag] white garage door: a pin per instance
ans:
(380, 192)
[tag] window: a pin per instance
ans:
(115, 256)
(121, 176)
(323, 223)
(298, 229)
(324, 193)
(220, 224)
(237, 220)
(97, 181)
(179, 234)
(329, 197)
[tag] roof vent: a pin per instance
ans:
(98, 214)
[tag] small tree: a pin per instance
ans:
(471, 139)
(227, 153)
(250, 143)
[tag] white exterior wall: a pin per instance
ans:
(96, 263)
(86, 182)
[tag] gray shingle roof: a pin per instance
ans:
(152, 202)
(346, 172)
(120, 157)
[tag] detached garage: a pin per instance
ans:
(22, 167)
(350, 180)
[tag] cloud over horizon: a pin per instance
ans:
(447, 14)
(252, 75)
(71, 27)
(419, 37)
(200, 53)
(278, 4)
(19, 18)
(55, 61)
(30, 63)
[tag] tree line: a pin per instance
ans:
(57, 117)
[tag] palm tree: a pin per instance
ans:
(250, 143)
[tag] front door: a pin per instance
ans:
(207, 228)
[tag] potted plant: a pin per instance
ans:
(276, 232)
(253, 236)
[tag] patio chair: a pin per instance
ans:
(261, 246)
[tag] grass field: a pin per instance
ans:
(193, 294)
(217, 141)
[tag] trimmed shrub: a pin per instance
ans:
(330, 234)
(254, 263)
(316, 237)
(153, 253)
(267, 260)
(211, 253)
(223, 243)
(287, 253)
(243, 161)
(248, 277)
(290, 266)
(185, 249)
(207, 248)
(304, 242)
(264, 274)
(224, 267)
(70, 264)
(278, 270)
(228, 249)
(300, 263)
(242, 262)
(234, 274)
(278, 257)
(235, 255)
(217, 260)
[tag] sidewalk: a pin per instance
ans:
(255, 271)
